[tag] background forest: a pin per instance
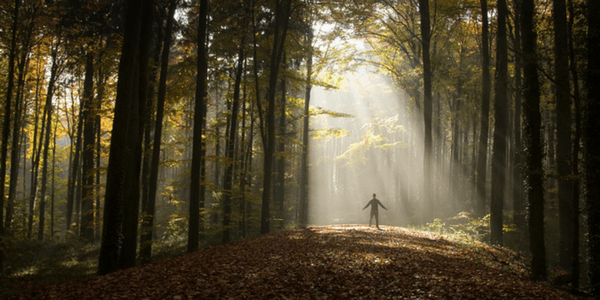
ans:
(134, 130)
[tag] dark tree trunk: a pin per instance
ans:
(6, 122)
(517, 192)
(48, 127)
(485, 114)
(282, 11)
(196, 191)
(137, 119)
(500, 129)
(304, 188)
(75, 169)
(122, 172)
(591, 149)
(89, 139)
(230, 146)
(532, 143)
(563, 134)
(576, 149)
(149, 209)
(427, 108)
(279, 189)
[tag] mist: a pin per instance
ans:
(376, 150)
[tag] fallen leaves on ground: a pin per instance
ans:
(322, 262)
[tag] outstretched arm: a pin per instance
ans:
(367, 205)
(382, 205)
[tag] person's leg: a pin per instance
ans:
(371, 218)
(377, 219)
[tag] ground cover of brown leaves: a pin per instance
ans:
(322, 262)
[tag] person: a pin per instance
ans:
(374, 209)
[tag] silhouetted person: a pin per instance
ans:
(374, 212)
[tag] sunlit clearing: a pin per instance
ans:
(377, 150)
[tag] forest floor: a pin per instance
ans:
(321, 262)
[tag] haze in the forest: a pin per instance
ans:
(354, 156)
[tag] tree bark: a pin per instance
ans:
(121, 171)
(86, 231)
(591, 149)
(427, 108)
(283, 11)
(6, 122)
(500, 128)
(196, 192)
(517, 192)
(230, 146)
(563, 134)
(532, 143)
(304, 188)
(485, 114)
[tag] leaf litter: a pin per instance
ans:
(322, 262)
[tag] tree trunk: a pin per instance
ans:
(563, 135)
(500, 129)
(576, 149)
(75, 169)
(196, 192)
(591, 149)
(89, 139)
(6, 122)
(304, 188)
(230, 146)
(282, 11)
(485, 114)
(279, 190)
(427, 108)
(122, 173)
(48, 127)
(517, 193)
(532, 143)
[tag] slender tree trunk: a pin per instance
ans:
(150, 206)
(591, 149)
(53, 189)
(517, 192)
(500, 129)
(6, 122)
(283, 11)
(230, 146)
(122, 173)
(485, 114)
(48, 127)
(279, 190)
(427, 108)
(532, 143)
(75, 169)
(304, 187)
(89, 139)
(563, 134)
(576, 149)
(196, 191)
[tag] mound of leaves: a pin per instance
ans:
(325, 262)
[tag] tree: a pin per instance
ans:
(485, 112)
(304, 188)
(89, 140)
(532, 143)
(283, 9)
(591, 149)
(563, 134)
(427, 107)
(122, 167)
(196, 192)
(500, 128)
(231, 140)
(6, 122)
